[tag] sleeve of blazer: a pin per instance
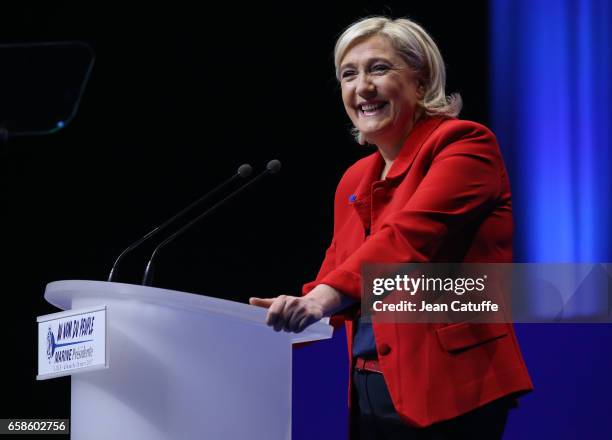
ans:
(464, 178)
(329, 264)
(326, 267)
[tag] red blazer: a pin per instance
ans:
(446, 198)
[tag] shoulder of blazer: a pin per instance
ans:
(452, 130)
(462, 127)
(449, 130)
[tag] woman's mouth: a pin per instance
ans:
(371, 109)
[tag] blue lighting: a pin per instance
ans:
(550, 107)
(550, 95)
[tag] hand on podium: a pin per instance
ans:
(295, 313)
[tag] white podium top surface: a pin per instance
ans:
(62, 293)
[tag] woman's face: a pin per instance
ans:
(379, 91)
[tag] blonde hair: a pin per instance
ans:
(417, 49)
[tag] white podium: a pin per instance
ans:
(181, 366)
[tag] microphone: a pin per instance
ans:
(272, 167)
(244, 171)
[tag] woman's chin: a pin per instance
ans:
(373, 136)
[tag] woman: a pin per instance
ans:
(435, 190)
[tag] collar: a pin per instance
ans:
(413, 143)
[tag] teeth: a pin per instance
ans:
(372, 107)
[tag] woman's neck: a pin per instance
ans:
(385, 170)
(390, 148)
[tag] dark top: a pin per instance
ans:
(364, 345)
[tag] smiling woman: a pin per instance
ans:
(436, 190)
(380, 93)
(406, 41)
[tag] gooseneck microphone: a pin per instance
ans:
(244, 171)
(272, 167)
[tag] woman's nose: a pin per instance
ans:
(365, 86)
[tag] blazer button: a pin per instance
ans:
(384, 349)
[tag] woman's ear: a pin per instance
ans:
(420, 91)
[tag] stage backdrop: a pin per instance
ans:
(550, 108)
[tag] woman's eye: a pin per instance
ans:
(347, 74)
(380, 68)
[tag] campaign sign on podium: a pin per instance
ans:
(183, 366)
(72, 342)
